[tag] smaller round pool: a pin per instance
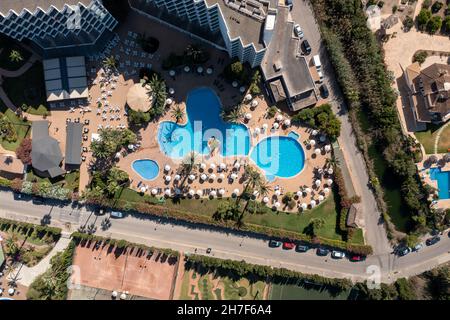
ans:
(146, 168)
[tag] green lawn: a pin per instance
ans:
(288, 221)
(427, 138)
(28, 89)
(70, 180)
(6, 45)
(22, 129)
(305, 292)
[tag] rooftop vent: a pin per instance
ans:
(277, 66)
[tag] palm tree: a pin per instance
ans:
(110, 62)
(316, 224)
(194, 53)
(178, 113)
(252, 179)
(15, 56)
(234, 116)
(331, 162)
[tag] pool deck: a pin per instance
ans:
(425, 176)
(182, 83)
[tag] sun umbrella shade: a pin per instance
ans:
(139, 99)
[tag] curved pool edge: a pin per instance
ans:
(146, 159)
(185, 123)
(305, 164)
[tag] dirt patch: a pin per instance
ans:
(133, 271)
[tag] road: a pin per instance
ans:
(225, 245)
(374, 231)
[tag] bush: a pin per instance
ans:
(322, 118)
(426, 4)
(408, 23)
(422, 18)
(23, 152)
(434, 24)
(272, 111)
(420, 57)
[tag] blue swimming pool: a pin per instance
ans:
(281, 156)
(443, 182)
(146, 168)
(203, 123)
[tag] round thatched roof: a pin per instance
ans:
(138, 97)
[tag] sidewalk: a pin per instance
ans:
(28, 275)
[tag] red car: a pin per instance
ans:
(356, 258)
(288, 245)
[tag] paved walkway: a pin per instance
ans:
(28, 275)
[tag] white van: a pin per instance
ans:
(320, 76)
(317, 62)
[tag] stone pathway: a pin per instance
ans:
(438, 136)
(28, 275)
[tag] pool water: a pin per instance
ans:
(443, 182)
(294, 135)
(203, 123)
(280, 156)
(147, 169)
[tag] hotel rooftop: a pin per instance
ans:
(31, 5)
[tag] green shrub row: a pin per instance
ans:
(5, 224)
(266, 273)
(122, 244)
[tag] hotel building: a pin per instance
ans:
(55, 28)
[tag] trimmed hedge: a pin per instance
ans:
(6, 224)
(79, 237)
(266, 273)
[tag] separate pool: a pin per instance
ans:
(443, 182)
(281, 156)
(294, 135)
(203, 123)
(147, 169)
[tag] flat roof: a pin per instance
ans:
(9, 163)
(73, 143)
(284, 64)
(241, 25)
(18, 5)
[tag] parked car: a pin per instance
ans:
(417, 247)
(306, 47)
(301, 248)
(324, 91)
(322, 251)
(298, 31)
(274, 243)
(288, 245)
(38, 200)
(403, 251)
(357, 258)
(99, 211)
(117, 214)
(18, 196)
(433, 240)
(337, 254)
